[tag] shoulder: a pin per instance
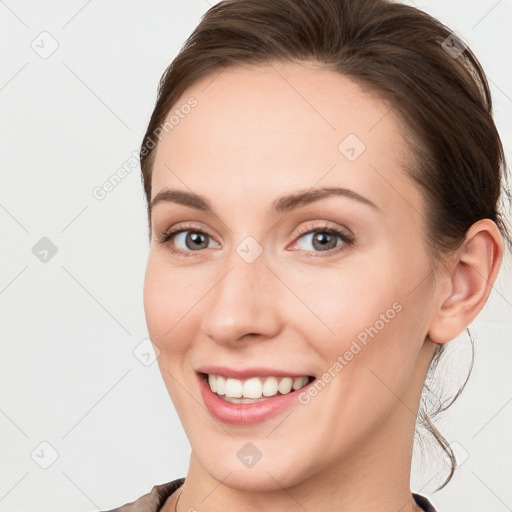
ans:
(423, 502)
(153, 500)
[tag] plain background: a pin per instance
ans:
(71, 325)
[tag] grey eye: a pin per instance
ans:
(319, 241)
(192, 240)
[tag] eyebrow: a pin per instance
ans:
(282, 204)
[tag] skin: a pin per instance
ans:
(257, 134)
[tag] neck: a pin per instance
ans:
(376, 478)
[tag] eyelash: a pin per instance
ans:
(166, 236)
(347, 239)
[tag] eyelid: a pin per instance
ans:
(325, 226)
(180, 227)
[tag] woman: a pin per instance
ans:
(322, 180)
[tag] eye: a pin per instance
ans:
(322, 239)
(186, 241)
(192, 240)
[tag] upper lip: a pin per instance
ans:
(246, 373)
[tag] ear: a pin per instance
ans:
(467, 282)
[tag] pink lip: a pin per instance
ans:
(245, 414)
(247, 372)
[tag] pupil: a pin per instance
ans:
(324, 239)
(198, 240)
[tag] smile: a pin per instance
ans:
(245, 391)
(251, 400)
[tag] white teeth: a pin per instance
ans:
(255, 387)
(285, 386)
(212, 380)
(270, 386)
(252, 388)
(220, 383)
(299, 382)
(234, 388)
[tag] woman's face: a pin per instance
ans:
(304, 256)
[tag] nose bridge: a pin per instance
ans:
(242, 301)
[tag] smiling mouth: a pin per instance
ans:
(254, 389)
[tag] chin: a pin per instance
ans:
(269, 473)
(254, 480)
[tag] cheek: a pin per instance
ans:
(375, 324)
(380, 328)
(344, 303)
(171, 303)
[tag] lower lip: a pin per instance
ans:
(245, 414)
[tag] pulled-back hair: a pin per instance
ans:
(431, 80)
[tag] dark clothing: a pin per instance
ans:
(154, 500)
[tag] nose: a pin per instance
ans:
(243, 303)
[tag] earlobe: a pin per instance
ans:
(469, 281)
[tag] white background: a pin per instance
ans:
(68, 373)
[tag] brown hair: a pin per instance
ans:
(433, 82)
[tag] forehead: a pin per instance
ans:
(275, 126)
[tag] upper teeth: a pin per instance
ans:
(255, 387)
